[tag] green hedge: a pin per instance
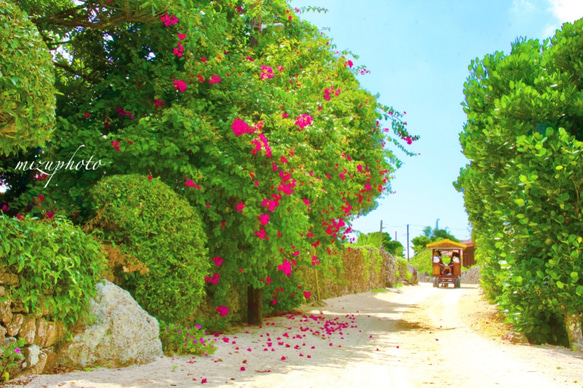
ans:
(147, 220)
(55, 265)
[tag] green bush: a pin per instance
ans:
(49, 264)
(150, 222)
(178, 339)
(422, 261)
(27, 111)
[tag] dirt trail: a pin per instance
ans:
(413, 337)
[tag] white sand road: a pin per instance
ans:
(411, 337)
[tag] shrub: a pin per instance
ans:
(53, 265)
(153, 225)
(27, 112)
(185, 340)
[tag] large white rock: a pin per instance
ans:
(121, 334)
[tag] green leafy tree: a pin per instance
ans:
(522, 186)
(27, 92)
(430, 235)
(264, 130)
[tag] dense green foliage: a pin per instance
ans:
(27, 92)
(178, 339)
(374, 239)
(264, 130)
(422, 261)
(430, 235)
(522, 188)
(55, 262)
(148, 221)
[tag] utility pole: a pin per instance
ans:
(381, 245)
(407, 242)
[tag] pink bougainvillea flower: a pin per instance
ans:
(303, 121)
(240, 206)
(266, 72)
(284, 115)
(5, 208)
(40, 197)
(223, 310)
(20, 216)
(285, 267)
(181, 36)
(203, 59)
(158, 102)
(50, 214)
(250, 59)
(200, 78)
(215, 79)
(213, 280)
(283, 159)
(180, 86)
(178, 50)
(306, 201)
(307, 294)
(218, 261)
(315, 260)
(169, 20)
(150, 177)
(280, 68)
(240, 127)
(263, 219)
(223, 224)
(261, 233)
(349, 63)
(87, 115)
(203, 381)
(115, 145)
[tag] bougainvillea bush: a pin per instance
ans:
(264, 130)
(152, 224)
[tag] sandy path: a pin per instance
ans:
(411, 338)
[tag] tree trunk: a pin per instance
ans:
(574, 331)
(254, 306)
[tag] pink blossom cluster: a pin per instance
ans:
(215, 79)
(285, 267)
(329, 91)
(218, 261)
(178, 50)
(261, 143)
(223, 311)
(213, 280)
(272, 204)
(263, 219)
(158, 102)
(303, 121)
(240, 127)
(123, 112)
(334, 226)
(115, 145)
(190, 183)
(180, 86)
(261, 233)
(266, 72)
(169, 20)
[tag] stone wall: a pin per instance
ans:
(358, 274)
(40, 333)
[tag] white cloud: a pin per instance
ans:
(566, 10)
(563, 11)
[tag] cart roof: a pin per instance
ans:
(446, 244)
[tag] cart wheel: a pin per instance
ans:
(435, 282)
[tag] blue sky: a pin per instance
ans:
(418, 52)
